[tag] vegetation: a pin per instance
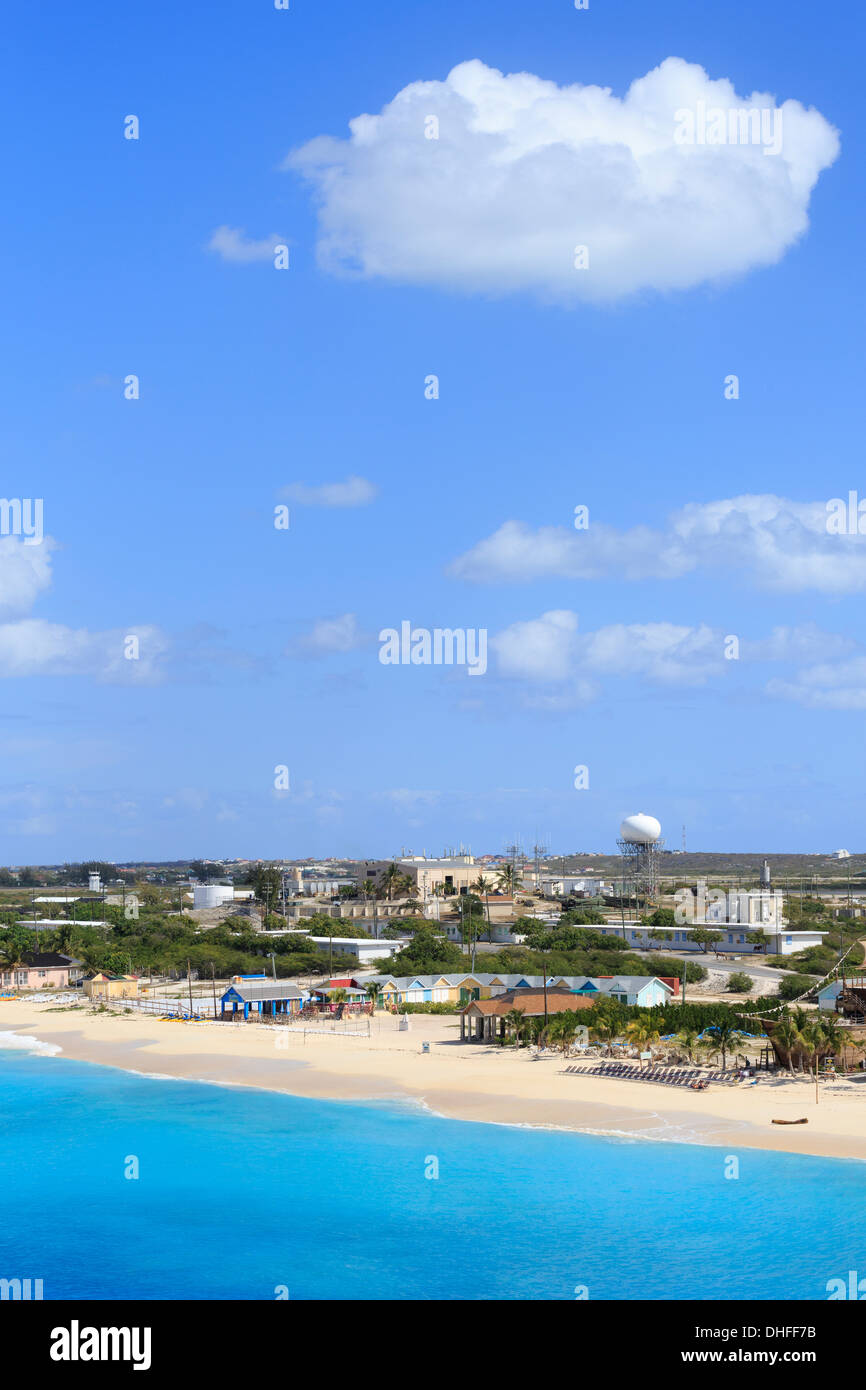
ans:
(740, 982)
(162, 945)
(427, 953)
(429, 1008)
(793, 986)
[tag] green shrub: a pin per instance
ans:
(795, 985)
(740, 982)
(447, 1008)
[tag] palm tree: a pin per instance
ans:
(561, 1030)
(786, 1036)
(14, 944)
(606, 1029)
(815, 1039)
(373, 992)
(688, 1041)
(833, 1036)
(725, 1036)
(390, 880)
(514, 1021)
(642, 1033)
(505, 878)
(483, 886)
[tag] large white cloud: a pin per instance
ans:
(523, 171)
(551, 649)
(772, 541)
(561, 667)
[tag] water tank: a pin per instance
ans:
(640, 830)
(211, 894)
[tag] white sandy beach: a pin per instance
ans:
(464, 1081)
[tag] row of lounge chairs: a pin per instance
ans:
(692, 1077)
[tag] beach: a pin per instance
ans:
(460, 1081)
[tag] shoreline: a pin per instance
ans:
(453, 1081)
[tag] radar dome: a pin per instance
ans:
(640, 830)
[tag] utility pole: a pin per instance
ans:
(189, 983)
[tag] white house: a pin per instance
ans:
(777, 941)
(363, 948)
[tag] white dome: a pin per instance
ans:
(640, 830)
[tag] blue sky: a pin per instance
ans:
(253, 381)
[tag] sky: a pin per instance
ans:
(518, 284)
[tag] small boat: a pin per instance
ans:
(804, 1121)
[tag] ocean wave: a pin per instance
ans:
(21, 1042)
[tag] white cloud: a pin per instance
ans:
(33, 647)
(540, 649)
(353, 492)
(805, 643)
(777, 543)
(524, 171)
(25, 573)
(561, 667)
(551, 649)
(233, 244)
(663, 652)
(341, 634)
(839, 685)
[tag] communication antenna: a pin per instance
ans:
(538, 853)
(514, 851)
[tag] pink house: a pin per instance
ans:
(42, 970)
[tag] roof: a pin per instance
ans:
(48, 960)
(531, 1001)
(263, 990)
(631, 984)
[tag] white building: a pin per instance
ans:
(764, 908)
(782, 941)
(564, 886)
(365, 949)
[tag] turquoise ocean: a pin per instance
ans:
(255, 1195)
